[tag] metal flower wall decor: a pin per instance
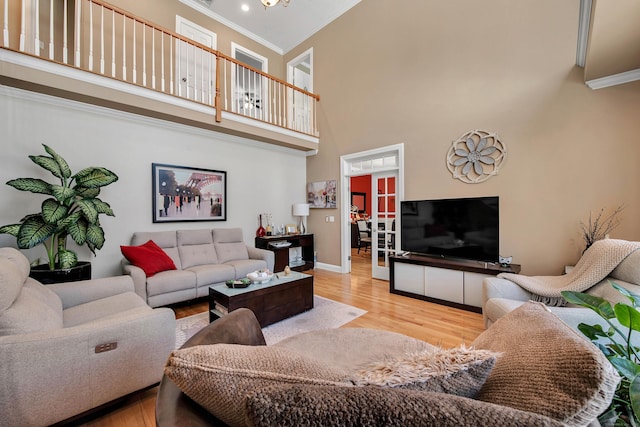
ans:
(476, 156)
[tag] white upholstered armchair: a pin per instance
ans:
(501, 296)
(70, 347)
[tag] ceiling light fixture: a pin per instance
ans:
(270, 3)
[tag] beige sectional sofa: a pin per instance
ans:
(202, 257)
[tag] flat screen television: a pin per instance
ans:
(466, 228)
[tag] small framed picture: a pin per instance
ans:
(183, 193)
(291, 229)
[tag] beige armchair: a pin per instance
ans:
(70, 347)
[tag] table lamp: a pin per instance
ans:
(301, 210)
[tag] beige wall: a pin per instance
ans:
(424, 72)
(614, 41)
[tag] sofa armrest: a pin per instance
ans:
(39, 363)
(81, 292)
(263, 254)
(493, 287)
(138, 276)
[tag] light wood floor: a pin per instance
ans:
(436, 324)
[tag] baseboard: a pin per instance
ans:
(328, 267)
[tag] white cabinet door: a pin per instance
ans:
(409, 278)
(473, 288)
(444, 284)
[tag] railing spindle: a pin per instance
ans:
(113, 43)
(124, 48)
(144, 54)
(90, 36)
(162, 61)
(135, 71)
(51, 24)
(36, 39)
(153, 58)
(65, 33)
(77, 32)
(171, 64)
(101, 39)
(6, 23)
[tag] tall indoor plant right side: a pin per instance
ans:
(618, 348)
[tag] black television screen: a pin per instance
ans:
(454, 228)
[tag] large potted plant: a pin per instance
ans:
(617, 345)
(73, 210)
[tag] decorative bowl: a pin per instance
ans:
(280, 244)
(260, 276)
(242, 283)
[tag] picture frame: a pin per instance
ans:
(291, 229)
(183, 193)
(322, 194)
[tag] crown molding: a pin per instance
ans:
(615, 79)
(208, 12)
(583, 32)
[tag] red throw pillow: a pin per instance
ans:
(149, 257)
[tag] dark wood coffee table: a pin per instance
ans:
(280, 298)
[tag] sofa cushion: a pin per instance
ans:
(460, 371)
(338, 406)
(18, 259)
(219, 376)
(37, 308)
(170, 281)
(629, 269)
(231, 251)
(101, 308)
(196, 248)
(242, 267)
(210, 274)
(227, 235)
(149, 257)
(546, 367)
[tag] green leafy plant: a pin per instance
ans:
(616, 344)
(73, 210)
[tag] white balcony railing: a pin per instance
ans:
(102, 39)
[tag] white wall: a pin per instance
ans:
(260, 177)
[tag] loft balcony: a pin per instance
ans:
(93, 52)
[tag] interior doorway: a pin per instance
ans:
(195, 68)
(300, 74)
(250, 89)
(385, 166)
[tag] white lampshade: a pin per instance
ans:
(300, 209)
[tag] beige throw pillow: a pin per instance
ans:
(546, 367)
(219, 376)
(460, 371)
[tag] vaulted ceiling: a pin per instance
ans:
(608, 44)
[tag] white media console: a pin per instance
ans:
(457, 283)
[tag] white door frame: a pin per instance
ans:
(346, 172)
(180, 21)
(264, 101)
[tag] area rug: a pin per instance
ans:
(326, 314)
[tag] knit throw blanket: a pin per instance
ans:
(596, 264)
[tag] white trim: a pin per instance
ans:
(10, 91)
(214, 36)
(345, 200)
(268, 126)
(328, 267)
(208, 12)
(615, 79)
(583, 32)
(296, 60)
(236, 47)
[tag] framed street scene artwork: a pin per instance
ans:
(182, 193)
